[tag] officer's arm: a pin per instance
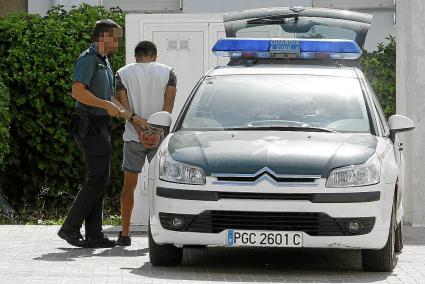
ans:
(81, 94)
(84, 70)
(124, 112)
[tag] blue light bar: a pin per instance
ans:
(287, 48)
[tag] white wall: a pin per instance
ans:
(411, 101)
(162, 6)
(42, 6)
(223, 6)
(69, 3)
(354, 4)
(382, 26)
(39, 6)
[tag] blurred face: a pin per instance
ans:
(109, 42)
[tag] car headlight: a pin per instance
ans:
(178, 172)
(357, 175)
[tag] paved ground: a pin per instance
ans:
(33, 254)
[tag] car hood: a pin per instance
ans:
(285, 153)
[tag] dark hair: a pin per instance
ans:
(103, 26)
(145, 48)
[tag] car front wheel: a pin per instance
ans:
(382, 260)
(164, 255)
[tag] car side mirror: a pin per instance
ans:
(160, 119)
(400, 123)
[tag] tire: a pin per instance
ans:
(399, 238)
(382, 260)
(164, 255)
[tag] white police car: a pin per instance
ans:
(286, 146)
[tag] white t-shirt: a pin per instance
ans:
(145, 84)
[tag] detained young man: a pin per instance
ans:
(143, 88)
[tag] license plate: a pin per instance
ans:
(264, 239)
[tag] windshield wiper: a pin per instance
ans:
(284, 128)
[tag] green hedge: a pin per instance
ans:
(380, 69)
(4, 124)
(37, 54)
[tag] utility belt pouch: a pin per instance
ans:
(84, 124)
(80, 123)
(73, 124)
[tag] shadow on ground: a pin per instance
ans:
(274, 265)
(134, 229)
(71, 254)
(265, 264)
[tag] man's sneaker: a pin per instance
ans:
(73, 238)
(101, 242)
(123, 240)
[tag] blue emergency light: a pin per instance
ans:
(287, 48)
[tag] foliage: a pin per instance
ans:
(44, 168)
(4, 123)
(380, 69)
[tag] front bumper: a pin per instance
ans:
(321, 218)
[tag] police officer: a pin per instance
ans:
(93, 88)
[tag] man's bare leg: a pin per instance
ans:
(127, 200)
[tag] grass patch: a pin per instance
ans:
(11, 219)
(41, 215)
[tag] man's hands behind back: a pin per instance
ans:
(150, 138)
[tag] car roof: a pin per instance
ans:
(285, 69)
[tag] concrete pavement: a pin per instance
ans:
(34, 254)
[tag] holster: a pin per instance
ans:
(80, 123)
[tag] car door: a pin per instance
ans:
(299, 22)
(396, 143)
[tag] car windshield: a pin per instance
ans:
(293, 102)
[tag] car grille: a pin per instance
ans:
(314, 224)
(265, 196)
(277, 179)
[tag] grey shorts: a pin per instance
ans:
(134, 156)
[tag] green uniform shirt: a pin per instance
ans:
(94, 71)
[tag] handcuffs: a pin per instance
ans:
(150, 131)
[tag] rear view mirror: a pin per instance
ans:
(400, 123)
(160, 119)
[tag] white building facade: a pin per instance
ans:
(383, 10)
(411, 101)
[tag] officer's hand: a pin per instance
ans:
(141, 122)
(112, 109)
